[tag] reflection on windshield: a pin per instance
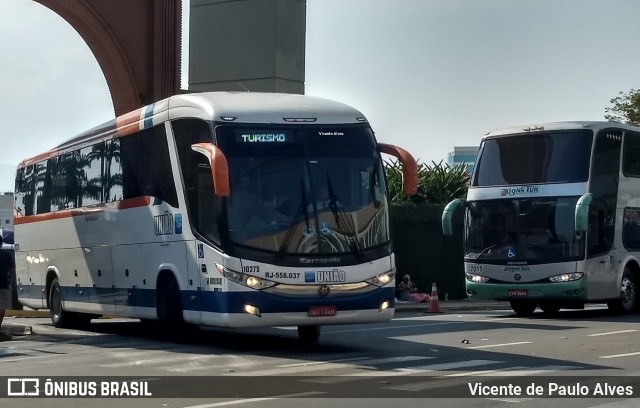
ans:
(317, 190)
(547, 157)
(534, 230)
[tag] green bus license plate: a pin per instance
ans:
(322, 311)
(518, 293)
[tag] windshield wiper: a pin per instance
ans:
(489, 248)
(343, 221)
(302, 209)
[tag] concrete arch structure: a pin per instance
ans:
(136, 43)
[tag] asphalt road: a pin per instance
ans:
(481, 357)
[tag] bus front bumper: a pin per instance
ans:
(560, 291)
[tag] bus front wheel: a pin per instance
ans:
(628, 300)
(523, 307)
(309, 334)
(169, 303)
(550, 308)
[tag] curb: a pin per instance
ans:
(445, 306)
(27, 313)
(16, 329)
(455, 306)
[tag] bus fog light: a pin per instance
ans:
(566, 277)
(383, 278)
(384, 305)
(476, 278)
(252, 310)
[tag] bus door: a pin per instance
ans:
(601, 270)
(210, 292)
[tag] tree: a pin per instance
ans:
(626, 108)
(437, 184)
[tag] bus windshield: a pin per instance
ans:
(531, 230)
(545, 157)
(307, 189)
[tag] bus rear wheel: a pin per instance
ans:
(628, 300)
(59, 317)
(523, 307)
(309, 334)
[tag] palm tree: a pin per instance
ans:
(437, 184)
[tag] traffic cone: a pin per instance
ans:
(434, 303)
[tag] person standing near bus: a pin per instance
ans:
(6, 269)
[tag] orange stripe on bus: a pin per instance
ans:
(128, 123)
(120, 205)
(38, 158)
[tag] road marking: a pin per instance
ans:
(499, 345)
(528, 371)
(310, 363)
(504, 372)
(629, 403)
(511, 400)
(621, 355)
(454, 365)
(398, 371)
(250, 400)
(156, 361)
(613, 332)
(329, 366)
(392, 327)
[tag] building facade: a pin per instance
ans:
(6, 211)
(463, 155)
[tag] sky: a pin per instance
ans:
(428, 74)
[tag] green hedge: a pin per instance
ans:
(424, 253)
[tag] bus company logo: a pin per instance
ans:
(309, 276)
(334, 275)
(163, 224)
(514, 191)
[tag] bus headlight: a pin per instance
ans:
(566, 277)
(245, 280)
(383, 278)
(476, 278)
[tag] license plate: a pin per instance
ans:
(518, 292)
(322, 311)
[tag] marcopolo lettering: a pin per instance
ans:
(334, 275)
(163, 224)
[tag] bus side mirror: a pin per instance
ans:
(582, 212)
(219, 167)
(447, 216)
(409, 167)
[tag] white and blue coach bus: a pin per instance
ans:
(221, 209)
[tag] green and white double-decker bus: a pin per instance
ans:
(552, 217)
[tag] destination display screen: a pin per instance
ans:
(258, 137)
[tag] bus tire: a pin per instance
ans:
(523, 307)
(549, 308)
(170, 303)
(628, 300)
(59, 317)
(309, 334)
